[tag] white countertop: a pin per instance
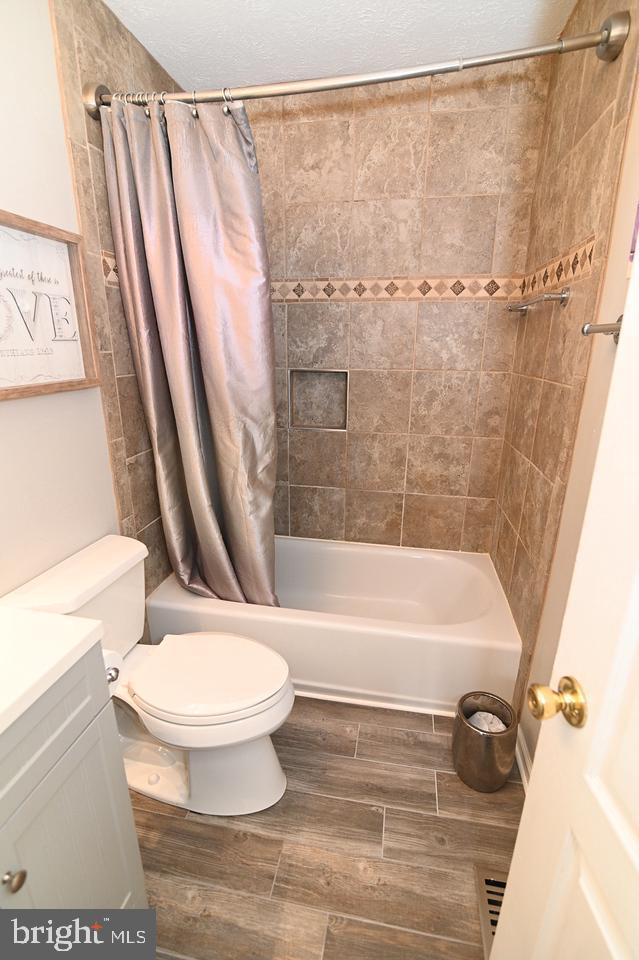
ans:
(36, 649)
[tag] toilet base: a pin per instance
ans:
(227, 781)
(235, 780)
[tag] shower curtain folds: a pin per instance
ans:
(186, 214)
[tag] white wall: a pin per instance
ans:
(611, 306)
(56, 492)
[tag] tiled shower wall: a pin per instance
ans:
(93, 46)
(397, 217)
(583, 139)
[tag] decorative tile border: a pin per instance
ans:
(110, 268)
(394, 288)
(574, 265)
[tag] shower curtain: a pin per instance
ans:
(186, 214)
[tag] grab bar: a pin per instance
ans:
(609, 329)
(562, 296)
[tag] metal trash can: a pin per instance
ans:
(483, 760)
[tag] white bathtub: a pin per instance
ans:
(371, 624)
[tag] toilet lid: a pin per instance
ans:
(207, 675)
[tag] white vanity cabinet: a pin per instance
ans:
(67, 837)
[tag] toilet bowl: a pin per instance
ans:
(195, 712)
(208, 703)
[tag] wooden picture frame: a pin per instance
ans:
(45, 336)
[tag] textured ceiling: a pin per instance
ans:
(213, 43)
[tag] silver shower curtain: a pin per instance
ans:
(186, 215)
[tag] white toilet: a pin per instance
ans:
(195, 711)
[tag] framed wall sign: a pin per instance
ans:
(45, 340)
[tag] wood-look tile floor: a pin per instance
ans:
(368, 856)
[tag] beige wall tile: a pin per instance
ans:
(318, 335)
(504, 550)
(318, 399)
(281, 397)
(479, 521)
(279, 333)
(514, 477)
(135, 432)
(330, 105)
(482, 87)
(492, 404)
(583, 213)
(465, 154)
(382, 335)
(318, 239)
(110, 398)
(549, 436)
(146, 507)
(444, 403)
(282, 455)
(434, 522)
(280, 509)
(386, 237)
(317, 512)
(485, 462)
(121, 482)
(98, 178)
(119, 333)
(390, 155)
(379, 401)
(402, 96)
(317, 457)
(373, 517)
(526, 411)
(450, 335)
(376, 461)
(318, 161)
(274, 229)
(529, 81)
(568, 350)
(438, 465)
(500, 339)
(511, 234)
(535, 342)
(523, 147)
(97, 300)
(269, 147)
(157, 566)
(458, 235)
(535, 512)
(525, 595)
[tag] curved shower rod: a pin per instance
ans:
(608, 40)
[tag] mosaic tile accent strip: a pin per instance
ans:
(394, 288)
(574, 265)
(110, 268)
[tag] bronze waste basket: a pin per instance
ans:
(483, 760)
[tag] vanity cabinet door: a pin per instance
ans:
(74, 834)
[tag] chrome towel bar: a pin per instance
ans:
(609, 329)
(562, 296)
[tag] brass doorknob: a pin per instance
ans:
(569, 699)
(14, 881)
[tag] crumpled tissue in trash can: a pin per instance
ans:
(488, 722)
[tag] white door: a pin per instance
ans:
(573, 889)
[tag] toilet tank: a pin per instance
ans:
(105, 581)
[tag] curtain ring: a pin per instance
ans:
(228, 99)
(194, 112)
(163, 97)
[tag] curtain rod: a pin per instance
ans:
(608, 40)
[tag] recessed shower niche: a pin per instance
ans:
(318, 398)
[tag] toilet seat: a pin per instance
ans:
(205, 679)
